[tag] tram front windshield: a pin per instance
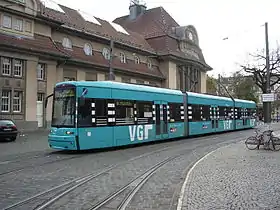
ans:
(63, 108)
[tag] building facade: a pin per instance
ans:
(42, 43)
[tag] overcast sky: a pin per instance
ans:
(242, 21)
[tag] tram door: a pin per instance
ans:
(214, 115)
(161, 121)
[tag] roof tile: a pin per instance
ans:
(30, 43)
(73, 19)
(154, 22)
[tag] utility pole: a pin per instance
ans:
(267, 105)
(219, 85)
(111, 73)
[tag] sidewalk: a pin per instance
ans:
(234, 177)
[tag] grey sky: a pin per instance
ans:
(240, 20)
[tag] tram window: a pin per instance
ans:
(101, 112)
(196, 113)
(175, 112)
(251, 113)
(84, 112)
(144, 112)
(205, 112)
(222, 112)
(124, 112)
(229, 113)
(239, 114)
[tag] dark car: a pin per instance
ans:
(8, 130)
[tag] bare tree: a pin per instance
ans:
(258, 69)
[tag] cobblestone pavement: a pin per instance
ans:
(158, 193)
(20, 185)
(234, 177)
(27, 142)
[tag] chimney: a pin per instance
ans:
(136, 8)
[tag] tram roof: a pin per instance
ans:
(200, 95)
(244, 101)
(123, 86)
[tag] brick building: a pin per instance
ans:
(42, 43)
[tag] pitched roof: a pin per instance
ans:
(152, 23)
(156, 26)
(45, 45)
(33, 44)
(76, 20)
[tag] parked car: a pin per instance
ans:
(8, 130)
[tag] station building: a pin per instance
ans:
(42, 43)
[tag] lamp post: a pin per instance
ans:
(267, 105)
(111, 73)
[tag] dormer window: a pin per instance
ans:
(88, 49)
(66, 43)
(136, 59)
(123, 58)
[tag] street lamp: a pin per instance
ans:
(267, 105)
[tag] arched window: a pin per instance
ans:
(149, 63)
(122, 57)
(66, 43)
(136, 59)
(87, 49)
(106, 53)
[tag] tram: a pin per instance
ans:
(100, 114)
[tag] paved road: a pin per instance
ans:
(234, 177)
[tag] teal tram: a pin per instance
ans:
(100, 114)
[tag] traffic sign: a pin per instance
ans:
(268, 97)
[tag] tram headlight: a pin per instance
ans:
(69, 132)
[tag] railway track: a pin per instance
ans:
(22, 166)
(51, 195)
(47, 198)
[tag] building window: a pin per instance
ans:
(28, 26)
(138, 81)
(41, 71)
(125, 80)
(88, 49)
(123, 58)
(5, 101)
(149, 63)
(153, 84)
(17, 101)
(136, 59)
(66, 42)
(18, 25)
(106, 53)
(7, 64)
(18, 68)
(7, 21)
(40, 97)
(69, 79)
